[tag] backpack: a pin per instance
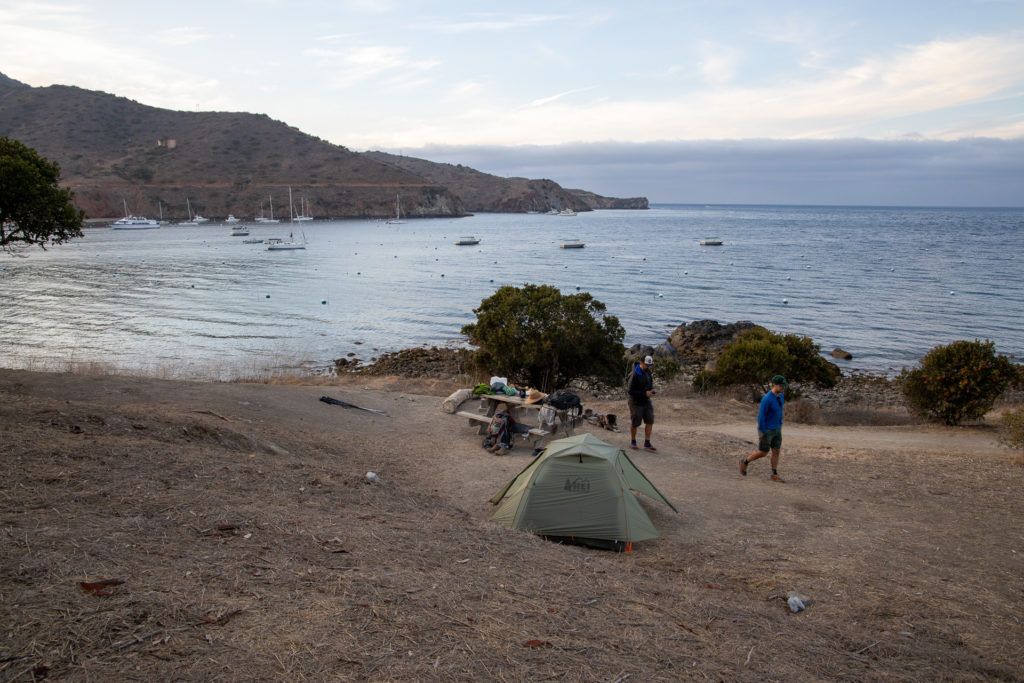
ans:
(564, 399)
(499, 431)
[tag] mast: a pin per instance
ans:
(291, 211)
(271, 207)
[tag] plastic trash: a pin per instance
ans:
(372, 477)
(796, 603)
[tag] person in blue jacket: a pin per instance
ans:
(769, 428)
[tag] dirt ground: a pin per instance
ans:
(250, 546)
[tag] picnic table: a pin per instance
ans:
(521, 412)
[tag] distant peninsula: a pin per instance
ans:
(113, 150)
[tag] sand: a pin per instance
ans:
(250, 546)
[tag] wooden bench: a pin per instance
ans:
(481, 421)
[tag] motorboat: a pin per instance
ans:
(240, 231)
(552, 212)
(711, 242)
(135, 223)
(467, 241)
(566, 212)
(230, 220)
(130, 222)
(572, 244)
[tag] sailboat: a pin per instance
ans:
(262, 219)
(130, 222)
(397, 220)
(191, 220)
(276, 244)
(303, 208)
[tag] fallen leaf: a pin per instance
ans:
(533, 642)
(103, 587)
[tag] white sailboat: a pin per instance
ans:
(191, 221)
(277, 244)
(262, 219)
(303, 209)
(397, 220)
(130, 222)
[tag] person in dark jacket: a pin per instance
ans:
(769, 428)
(641, 409)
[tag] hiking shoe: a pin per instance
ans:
(649, 447)
(632, 444)
(743, 466)
(777, 478)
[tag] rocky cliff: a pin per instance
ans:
(596, 201)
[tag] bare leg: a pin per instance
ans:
(775, 458)
(647, 431)
(755, 455)
(632, 433)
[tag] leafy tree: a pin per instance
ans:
(758, 354)
(957, 382)
(538, 336)
(34, 209)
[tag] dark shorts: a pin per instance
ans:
(769, 440)
(641, 413)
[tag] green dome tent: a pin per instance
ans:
(580, 489)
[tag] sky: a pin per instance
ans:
(900, 102)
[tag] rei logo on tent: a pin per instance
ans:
(577, 485)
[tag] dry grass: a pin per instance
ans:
(251, 548)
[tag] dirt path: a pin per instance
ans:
(251, 547)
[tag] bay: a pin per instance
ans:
(886, 284)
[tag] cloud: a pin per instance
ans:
(718, 62)
(181, 35)
(389, 65)
(548, 100)
(45, 44)
(490, 23)
(972, 172)
(871, 98)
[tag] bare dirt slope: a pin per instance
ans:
(251, 548)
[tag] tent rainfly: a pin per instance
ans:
(580, 489)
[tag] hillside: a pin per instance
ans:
(481, 191)
(111, 148)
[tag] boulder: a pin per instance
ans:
(638, 351)
(702, 340)
(840, 353)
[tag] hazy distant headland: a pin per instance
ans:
(112, 149)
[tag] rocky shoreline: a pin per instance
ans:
(689, 348)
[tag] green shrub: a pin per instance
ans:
(1012, 429)
(957, 382)
(758, 354)
(538, 336)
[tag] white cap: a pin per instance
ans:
(648, 360)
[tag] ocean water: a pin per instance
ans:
(885, 284)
